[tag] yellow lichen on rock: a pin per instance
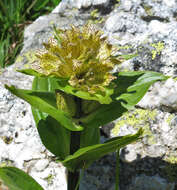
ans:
(170, 117)
(136, 119)
(158, 47)
(148, 9)
(125, 47)
(95, 17)
(28, 57)
(94, 13)
(172, 160)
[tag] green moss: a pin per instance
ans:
(158, 47)
(137, 118)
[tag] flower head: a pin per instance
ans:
(80, 55)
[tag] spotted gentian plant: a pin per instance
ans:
(74, 93)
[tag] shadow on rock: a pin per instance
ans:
(141, 174)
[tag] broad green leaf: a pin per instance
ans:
(54, 137)
(30, 72)
(46, 85)
(16, 179)
(82, 158)
(45, 102)
(134, 93)
(38, 115)
(89, 136)
(88, 106)
(102, 99)
(104, 114)
(131, 87)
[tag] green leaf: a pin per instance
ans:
(89, 136)
(131, 87)
(16, 179)
(140, 83)
(46, 85)
(102, 99)
(54, 137)
(30, 72)
(38, 115)
(82, 158)
(45, 102)
(103, 115)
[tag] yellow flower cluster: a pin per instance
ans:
(80, 55)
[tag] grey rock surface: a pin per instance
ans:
(148, 27)
(150, 183)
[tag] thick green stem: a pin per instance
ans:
(117, 170)
(73, 177)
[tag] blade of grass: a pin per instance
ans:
(12, 14)
(3, 7)
(29, 8)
